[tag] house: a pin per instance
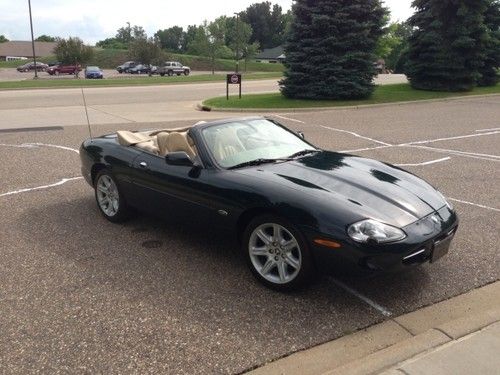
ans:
(272, 55)
(22, 49)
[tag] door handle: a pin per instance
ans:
(143, 164)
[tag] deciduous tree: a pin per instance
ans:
(73, 51)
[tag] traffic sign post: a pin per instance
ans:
(233, 79)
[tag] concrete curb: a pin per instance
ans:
(382, 346)
(200, 106)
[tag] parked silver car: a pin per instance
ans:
(173, 67)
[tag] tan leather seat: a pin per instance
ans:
(227, 144)
(178, 142)
(162, 139)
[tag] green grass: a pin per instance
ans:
(383, 94)
(132, 81)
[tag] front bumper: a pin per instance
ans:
(424, 237)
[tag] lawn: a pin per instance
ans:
(383, 94)
(132, 81)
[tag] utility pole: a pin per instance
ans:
(237, 41)
(33, 40)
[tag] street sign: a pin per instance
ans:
(233, 79)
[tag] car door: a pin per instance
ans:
(190, 194)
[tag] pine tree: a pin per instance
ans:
(329, 52)
(489, 71)
(445, 49)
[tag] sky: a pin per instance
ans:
(94, 20)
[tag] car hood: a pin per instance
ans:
(366, 187)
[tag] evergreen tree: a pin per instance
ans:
(489, 71)
(329, 52)
(445, 49)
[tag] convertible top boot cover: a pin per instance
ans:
(128, 138)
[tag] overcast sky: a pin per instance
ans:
(93, 20)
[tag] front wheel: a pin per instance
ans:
(186, 72)
(276, 253)
(110, 201)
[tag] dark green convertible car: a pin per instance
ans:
(295, 208)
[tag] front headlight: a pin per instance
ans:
(369, 229)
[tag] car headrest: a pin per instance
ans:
(178, 142)
(162, 139)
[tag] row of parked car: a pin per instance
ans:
(168, 68)
(58, 68)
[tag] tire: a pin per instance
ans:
(284, 267)
(162, 74)
(113, 207)
(170, 73)
(186, 72)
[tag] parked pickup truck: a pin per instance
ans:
(63, 69)
(173, 67)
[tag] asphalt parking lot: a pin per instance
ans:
(79, 294)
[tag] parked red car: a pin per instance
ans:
(64, 69)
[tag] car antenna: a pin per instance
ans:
(86, 113)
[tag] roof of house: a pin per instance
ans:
(272, 53)
(20, 48)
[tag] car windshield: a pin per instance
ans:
(92, 68)
(244, 142)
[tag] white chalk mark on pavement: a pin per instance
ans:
(474, 204)
(365, 149)
(356, 135)
(425, 163)
(365, 299)
(472, 155)
(62, 182)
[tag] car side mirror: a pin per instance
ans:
(180, 158)
(301, 134)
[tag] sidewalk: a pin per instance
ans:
(457, 336)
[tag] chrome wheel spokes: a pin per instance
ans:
(107, 195)
(275, 253)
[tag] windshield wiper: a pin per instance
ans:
(302, 153)
(256, 162)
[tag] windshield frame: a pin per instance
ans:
(209, 153)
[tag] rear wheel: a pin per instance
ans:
(110, 201)
(276, 253)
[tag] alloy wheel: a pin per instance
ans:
(107, 195)
(275, 253)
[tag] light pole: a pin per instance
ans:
(33, 40)
(237, 41)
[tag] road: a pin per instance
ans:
(79, 294)
(114, 105)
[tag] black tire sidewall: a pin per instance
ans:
(123, 212)
(306, 272)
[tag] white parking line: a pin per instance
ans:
(35, 145)
(425, 163)
(449, 138)
(63, 181)
(356, 135)
(487, 130)
(289, 119)
(474, 204)
(365, 149)
(472, 155)
(375, 305)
